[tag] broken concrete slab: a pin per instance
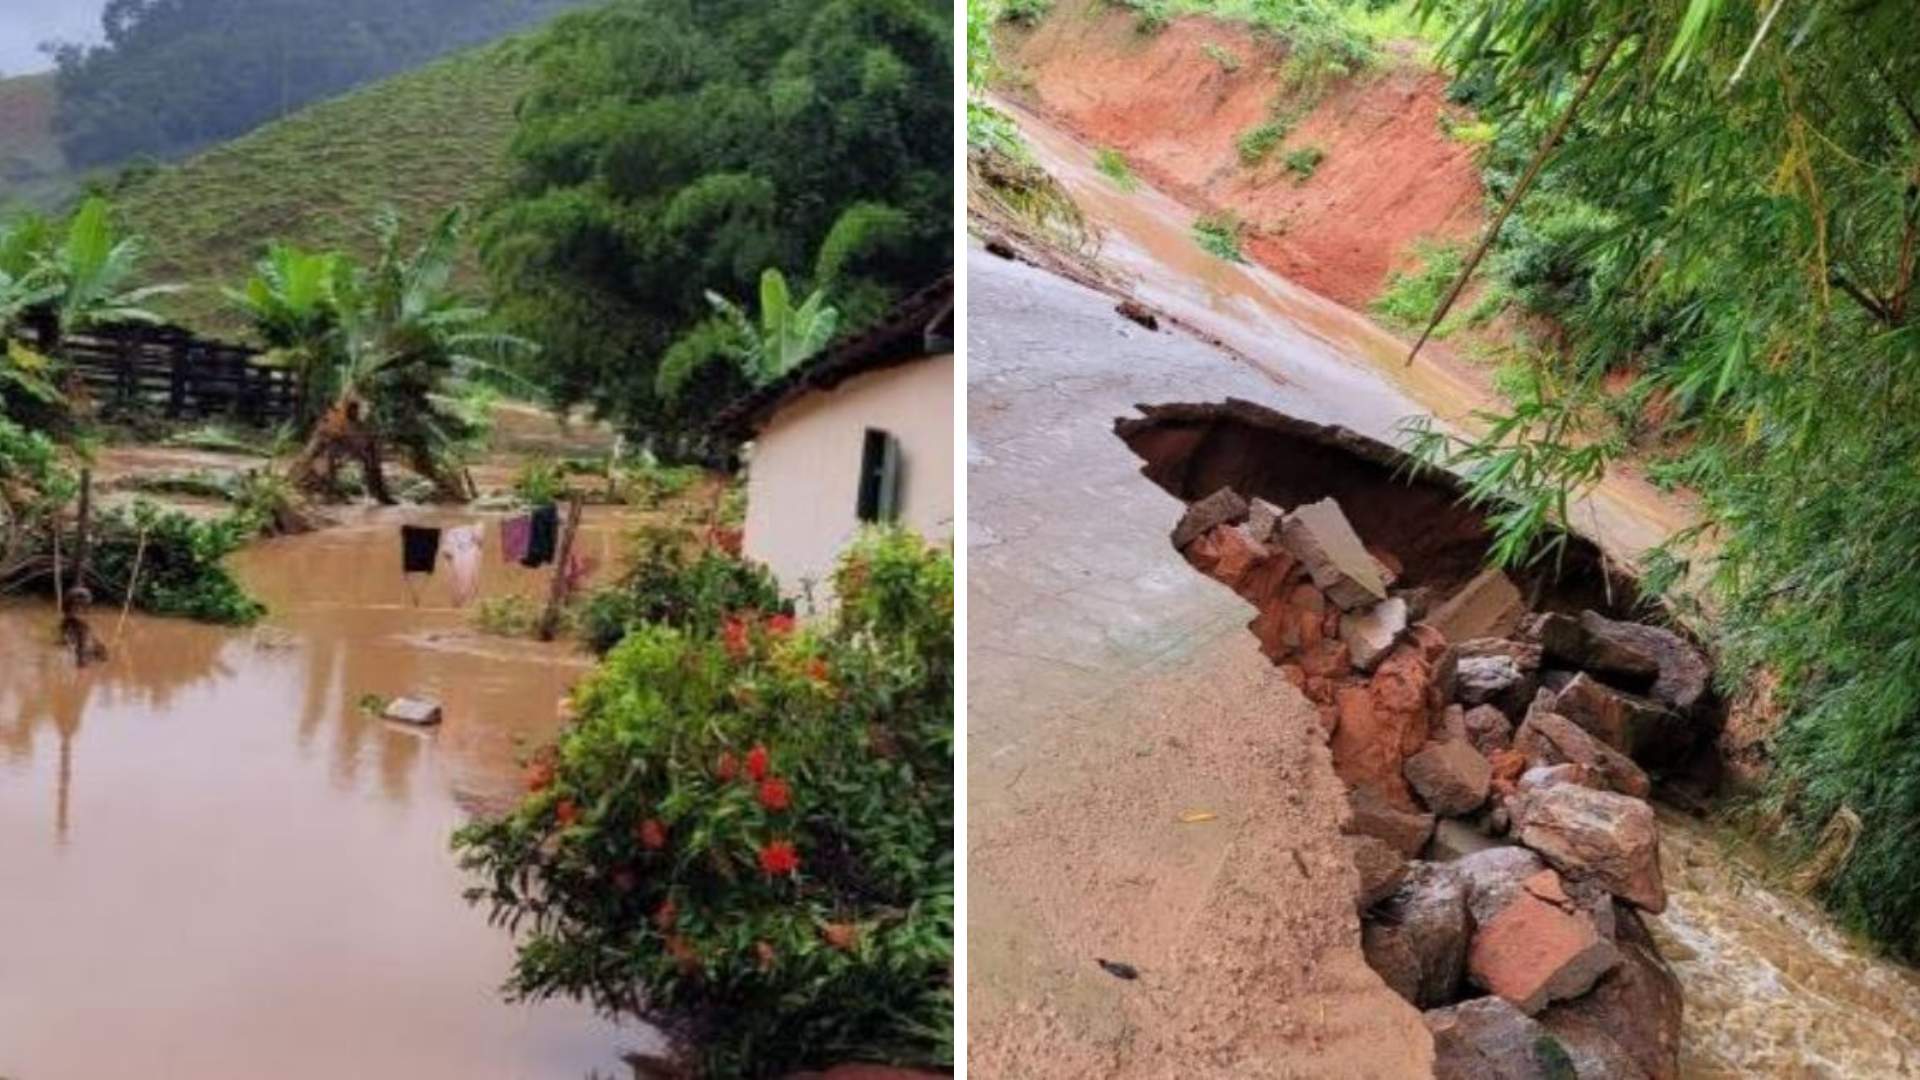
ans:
(1489, 606)
(1450, 777)
(1223, 507)
(417, 711)
(1319, 535)
(1598, 836)
(1263, 520)
(1371, 632)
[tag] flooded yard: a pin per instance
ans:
(213, 863)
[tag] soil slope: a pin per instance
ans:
(1390, 175)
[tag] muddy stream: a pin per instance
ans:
(1772, 988)
(214, 864)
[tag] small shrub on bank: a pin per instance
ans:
(1025, 12)
(1223, 56)
(1219, 234)
(747, 835)
(1256, 142)
(182, 569)
(1113, 165)
(1411, 296)
(1304, 161)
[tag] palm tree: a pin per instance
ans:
(785, 337)
(403, 335)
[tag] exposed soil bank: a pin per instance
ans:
(1390, 176)
(217, 865)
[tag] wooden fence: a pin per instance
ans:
(135, 369)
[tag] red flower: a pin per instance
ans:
(665, 916)
(565, 812)
(778, 857)
(728, 768)
(842, 936)
(757, 763)
(734, 633)
(653, 834)
(818, 671)
(775, 794)
(780, 625)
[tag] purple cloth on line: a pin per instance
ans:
(515, 533)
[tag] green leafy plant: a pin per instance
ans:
(539, 482)
(1219, 234)
(512, 615)
(1113, 165)
(1303, 161)
(1255, 143)
(678, 583)
(1026, 12)
(784, 337)
(1410, 297)
(747, 836)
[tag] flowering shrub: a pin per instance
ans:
(746, 836)
(668, 586)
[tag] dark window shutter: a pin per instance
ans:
(879, 477)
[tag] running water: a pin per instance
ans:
(217, 864)
(1771, 988)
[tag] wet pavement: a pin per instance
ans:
(214, 864)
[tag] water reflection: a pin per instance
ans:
(214, 854)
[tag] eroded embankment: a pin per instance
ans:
(1389, 174)
(1498, 736)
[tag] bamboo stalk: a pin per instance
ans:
(1540, 156)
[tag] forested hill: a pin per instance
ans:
(174, 76)
(419, 142)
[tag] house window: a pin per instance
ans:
(879, 477)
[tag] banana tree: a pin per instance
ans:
(784, 338)
(405, 335)
(293, 302)
(95, 269)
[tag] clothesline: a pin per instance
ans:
(532, 540)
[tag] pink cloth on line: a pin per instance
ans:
(515, 534)
(462, 548)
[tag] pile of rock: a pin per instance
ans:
(1496, 767)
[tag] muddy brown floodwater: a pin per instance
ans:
(212, 864)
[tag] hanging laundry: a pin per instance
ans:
(419, 549)
(514, 536)
(543, 537)
(463, 549)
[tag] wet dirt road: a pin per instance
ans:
(213, 864)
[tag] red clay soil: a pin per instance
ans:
(1390, 175)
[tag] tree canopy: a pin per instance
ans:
(1733, 217)
(176, 75)
(671, 149)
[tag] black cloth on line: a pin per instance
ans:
(419, 549)
(545, 536)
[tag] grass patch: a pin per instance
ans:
(1223, 56)
(1255, 143)
(1025, 12)
(1304, 161)
(1219, 235)
(1113, 165)
(1411, 296)
(1472, 132)
(419, 142)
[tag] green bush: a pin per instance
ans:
(669, 587)
(747, 836)
(1219, 234)
(1256, 142)
(1410, 297)
(540, 482)
(1113, 165)
(182, 570)
(1304, 161)
(1026, 12)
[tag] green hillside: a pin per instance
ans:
(418, 142)
(32, 168)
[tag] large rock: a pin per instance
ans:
(1599, 836)
(1634, 1012)
(1417, 939)
(1638, 727)
(1226, 554)
(1540, 948)
(1495, 876)
(1493, 680)
(1223, 507)
(1381, 868)
(1450, 777)
(1368, 745)
(1487, 728)
(1657, 661)
(1488, 606)
(1454, 839)
(1404, 831)
(1319, 535)
(1371, 632)
(1548, 738)
(1488, 1039)
(1524, 654)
